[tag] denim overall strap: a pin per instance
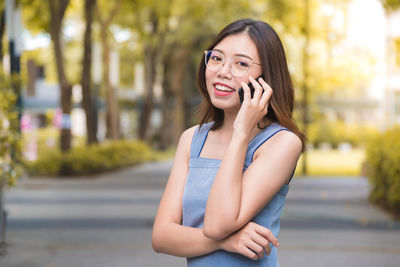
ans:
(261, 138)
(199, 138)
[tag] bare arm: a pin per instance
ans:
(236, 197)
(170, 237)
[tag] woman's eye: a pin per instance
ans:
(216, 58)
(242, 64)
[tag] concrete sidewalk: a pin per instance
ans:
(329, 222)
(106, 221)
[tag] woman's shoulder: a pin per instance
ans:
(283, 136)
(187, 135)
(280, 137)
(283, 142)
(185, 140)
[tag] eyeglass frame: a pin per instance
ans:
(230, 62)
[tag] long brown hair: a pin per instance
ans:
(275, 73)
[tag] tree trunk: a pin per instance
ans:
(57, 10)
(174, 96)
(91, 122)
(113, 129)
(112, 111)
(148, 105)
(166, 131)
(181, 62)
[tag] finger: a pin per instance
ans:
(246, 92)
(258, 90)
(245, 251)
(262, 242)
(266, 233)
(266, 96)
(263, 83)
(256, 248)
(268, 249)
(259, 240)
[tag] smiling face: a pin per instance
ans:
(221, 85)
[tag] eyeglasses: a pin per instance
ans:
(239, 65)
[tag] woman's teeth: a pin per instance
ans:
(223, 88)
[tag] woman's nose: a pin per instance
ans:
(225, 70)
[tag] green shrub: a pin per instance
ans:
(86, 160)
(383, 168)
(48, 163)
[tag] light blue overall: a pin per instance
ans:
(201, 174)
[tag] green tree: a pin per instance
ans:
(105, 21)
(87, 95)
(10, 157)
(172, 35)
(48, 16)
(150, 25)
(10, 168)
(57, 10)
(191, 27)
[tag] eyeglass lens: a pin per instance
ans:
(238, 65)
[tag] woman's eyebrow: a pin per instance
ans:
(240, 55)
(243, 55)
(218, 50)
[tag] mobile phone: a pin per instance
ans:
(241, 92)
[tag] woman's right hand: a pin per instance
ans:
(251, 241)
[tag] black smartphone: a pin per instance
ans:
(241, 92)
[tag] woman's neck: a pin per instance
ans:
(229, 119)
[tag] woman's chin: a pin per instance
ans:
(225, 105)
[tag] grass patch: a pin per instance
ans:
(333, 162)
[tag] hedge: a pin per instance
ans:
(86, 160)
(383, 169)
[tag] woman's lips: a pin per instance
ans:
(221, 89)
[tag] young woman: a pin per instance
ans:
(230, 175)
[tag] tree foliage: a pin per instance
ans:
(10, 156)
(168, 38)
(391, 5)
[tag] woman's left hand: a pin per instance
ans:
(252, 109)
(252, 241)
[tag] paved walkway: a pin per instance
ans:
(106, 221)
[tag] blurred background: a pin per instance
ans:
(86, 72)
(91, 86)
